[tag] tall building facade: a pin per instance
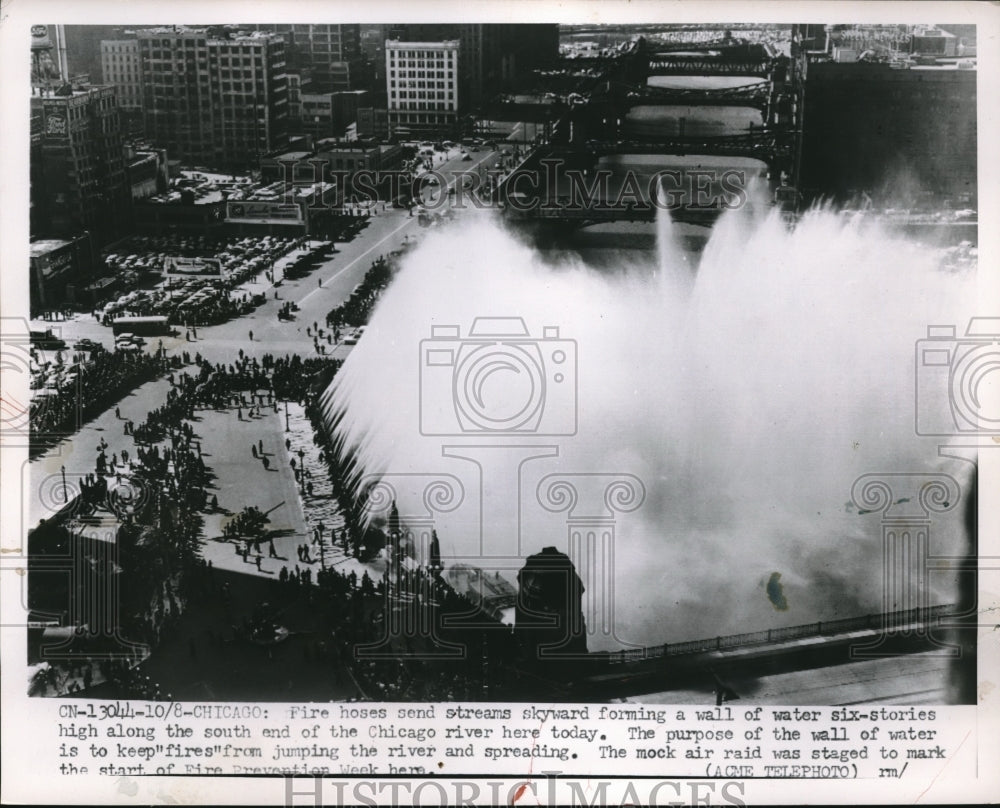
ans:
(83, 49)
(330, 54)
(422, 87)
(217, 98)
(492, 55)
(889, 132)
(122, 68)
(78, 178)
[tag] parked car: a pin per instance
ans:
(46, 340)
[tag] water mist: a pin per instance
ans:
(746, 393)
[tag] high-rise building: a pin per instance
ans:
(330, 53)
(78, 179)
(83, 48)
(890, 132)
(214, 97)
(122, 68)
(422, 87)
(492, 56)
(326, 115)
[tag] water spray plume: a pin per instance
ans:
(747, 389)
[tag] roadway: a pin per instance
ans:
(326, 287)
(385, 231)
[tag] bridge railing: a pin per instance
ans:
(819, 629)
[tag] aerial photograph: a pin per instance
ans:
(502, 362)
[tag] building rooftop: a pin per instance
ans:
(334, 144)
(931, 30)
(398, 43)
(211, 34)
(46, 245)
(67, 91)
(292, 156)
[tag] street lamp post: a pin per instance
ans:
(64, 492)
(286, 416)
(322, 550)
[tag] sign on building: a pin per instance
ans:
(264, 212)
(176, 266)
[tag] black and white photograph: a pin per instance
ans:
(625, 364)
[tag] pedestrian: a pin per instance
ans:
(258, 560)
(118, 413)
(266, 464)
(260, 446)
(251, 336)
(253, 450)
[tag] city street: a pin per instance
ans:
(328, 286)
(239, 482)
(224, 506)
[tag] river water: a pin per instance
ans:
(633, 245)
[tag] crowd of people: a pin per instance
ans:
(97, 381)
(357, 308)
(160, 535)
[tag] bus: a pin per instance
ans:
(146, 326)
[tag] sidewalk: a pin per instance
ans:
(241, 480)
(41, 488)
